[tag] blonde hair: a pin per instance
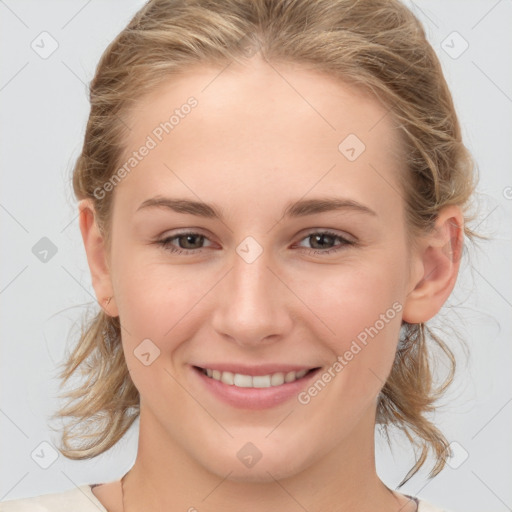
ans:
(376, 44)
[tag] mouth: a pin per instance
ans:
(253, 387)
(268, 380)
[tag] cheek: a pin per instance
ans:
(351, 298)
(158, 301)
(153, 299)
(357, 313)
(158, 310)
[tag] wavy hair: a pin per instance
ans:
(377, 44)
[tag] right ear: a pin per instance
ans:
(96, 257)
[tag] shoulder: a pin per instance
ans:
(425, 506)
(78, 499)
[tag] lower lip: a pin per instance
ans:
(254, 398)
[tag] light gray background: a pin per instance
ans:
(44, 109)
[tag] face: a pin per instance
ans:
(253, 284)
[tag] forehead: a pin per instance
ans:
(262, 125)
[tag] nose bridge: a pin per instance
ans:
(251, 279)
(250, 308)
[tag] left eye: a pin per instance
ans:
(320, 238)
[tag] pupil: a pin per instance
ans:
(322, 237)
(188, 238)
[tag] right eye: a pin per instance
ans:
(185, 241)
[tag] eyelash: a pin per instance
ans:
(166, 243)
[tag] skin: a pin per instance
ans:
(263, 136)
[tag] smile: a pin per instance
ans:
(255, 381)
(266, 390)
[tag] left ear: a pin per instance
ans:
(437, 265)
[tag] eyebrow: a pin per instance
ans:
(299, 208)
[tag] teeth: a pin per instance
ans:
(242, 381)
(277, 379)
(289, 377)
(227, 378)
(257, 381)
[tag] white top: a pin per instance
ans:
(82, 499)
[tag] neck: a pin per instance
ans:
(166, 478)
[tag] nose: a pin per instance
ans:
(253, 304)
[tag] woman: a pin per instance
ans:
(273, 202)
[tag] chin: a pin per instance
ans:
(260, 475)
(265, 470)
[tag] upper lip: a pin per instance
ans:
(254, 370)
